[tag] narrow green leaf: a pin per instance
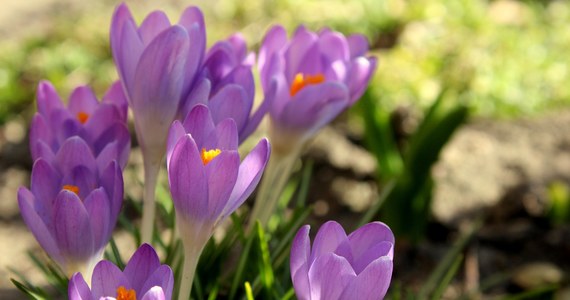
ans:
(248, 292)
(238, 277)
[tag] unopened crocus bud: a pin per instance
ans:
(143, 278)
(341, 267)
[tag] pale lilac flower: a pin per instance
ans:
(73, 204)
(310, 79)
(337, 266)
(143, 278)
(207, 180)
(102, 125)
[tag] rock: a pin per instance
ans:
(537, 274)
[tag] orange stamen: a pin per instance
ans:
(71, 188)
(301, 81)
(124, 294)
(207, 156)
(82, 117)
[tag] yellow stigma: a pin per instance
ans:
(301, 81)
(71, 188)
(124, 294)
(207, 156)
(82, 117)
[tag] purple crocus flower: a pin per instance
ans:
(358, 266)
(102, 125)
(73, 204)
(310, 79)
(207, 180)
(143, 278)
(226, 85)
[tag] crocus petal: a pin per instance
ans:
(78, 288)
(198, 95)
(45, 185)
(81, 177)
(106, 279)
(74, 152)
(39, 131)
(153, 24)
(299, 265)
(358, 45)
(37, 226)
(187, 178)
(382, 249)
(116, 96)
(359, 74)
(44, 151)
(82, 99)
(230, 102)
(193, 20)
(118, 138)
(175, 133)
(222, 174)
(329, 275)
(301, 53)
(155, 293)
(372, 283)
(161, 277)
(126, 46)
(368, 236)
(72, 228)
(331, 238)
(199, 124)
(238, 45)
(48, 99)
(142, 264)
(250, 171)
(98, 207)
(275, 39)
(112, 182)
(226, 136)
(101, 120)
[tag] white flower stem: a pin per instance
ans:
(151, 171)
(273, 182)
(193, 240)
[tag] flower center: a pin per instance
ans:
(82, 117)
(301, 81)
(207, 156)
(124, 294)
(71, 188)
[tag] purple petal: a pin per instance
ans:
(72, 228)
(175, 133)
(153, 24)
(369, 235)
(359, 74)
(116, 133)
(39, 131)
(98, 207)
(116, 96)
(112, 182)
(242, 76)
(155, 293)
(222, 172)
(198, 95)
(193, 21)
(45, 185)
(187, 177)
(329, 275)
(274, 41)
(81, 177)
(141, 266)
(334, 46)
(250, 171)
(78, 288)
(238, 45)
(37, 226)
(82, 99)
(199, 124)
(75, 152)
(162, 277)
(47, 98)
(44, 151)
(373, 253)
(300, 251)
(302, 54)
(101, 119)
(160, 79)
(226, 136)
(331, 238)
(372, 283)
(106, 279)
(230, 102)
(358, 45)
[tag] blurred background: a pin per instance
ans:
(462, 136)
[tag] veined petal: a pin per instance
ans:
(45, 185)
(82, 99)
(39, 131)
(175, 133)
(198, 95)
(250, 171)
(382, 249)
(275, 40)
(331, 238)
(112, 181)
(193, 20)
(222, 174)
(106, 279)
(329, 275)
(98, 207)
(78, 288)
(72, 229)
(81, 177)
(226, 134)
(369, 235)
(126, 46)
(372, 283)
(230, 102)
(101, 119)
(153, 24)
(117, 134)
(199, 124)
(37, 226)
(161, 278)
(141, 266)
(297, 53)
(187, 178)
(155, 293)
(116, 96)
(75, 152)
(47, 98)
(299, 263)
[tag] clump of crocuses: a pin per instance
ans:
(143, 278)
(73, 204)
(337, 266)
(207, 180)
